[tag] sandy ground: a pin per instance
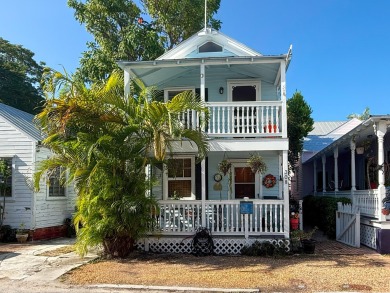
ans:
(303, 273)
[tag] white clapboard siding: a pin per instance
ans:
(51, 212)
(20, 147)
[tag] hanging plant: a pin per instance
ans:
(257, 164)
(269, 181)
(224, 166)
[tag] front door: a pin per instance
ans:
(244, 182)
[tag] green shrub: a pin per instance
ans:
(264, 248)
(320, 211)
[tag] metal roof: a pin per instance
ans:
(21, 120)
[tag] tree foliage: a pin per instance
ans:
(364, 116)
(299, 125)
(105, 141)
(120, 33)
(177, 20)
(20, 75)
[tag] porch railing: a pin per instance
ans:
(177, 217)
(367, 201)
(235, 119)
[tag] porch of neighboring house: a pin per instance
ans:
(341, 160)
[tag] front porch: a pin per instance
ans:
(222, 218)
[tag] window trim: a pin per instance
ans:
(243, 82)
(13, 166)
(176, 89)
(166, 179)
(49, 197)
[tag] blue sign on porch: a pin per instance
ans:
(246, 207)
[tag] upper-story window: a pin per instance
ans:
(210, 47)
(244, 90)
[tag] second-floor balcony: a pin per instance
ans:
(240, 119)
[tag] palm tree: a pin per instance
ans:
(105, 140)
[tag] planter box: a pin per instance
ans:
(22, 238)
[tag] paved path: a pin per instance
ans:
(24, 269)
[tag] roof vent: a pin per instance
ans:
(210, 47)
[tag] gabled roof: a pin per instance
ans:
(21, 120)
(189, 47)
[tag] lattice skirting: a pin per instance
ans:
(368, 236)
(222, 246)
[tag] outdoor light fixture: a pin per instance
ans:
(221, 90)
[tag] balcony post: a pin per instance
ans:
(203, 163)
(283, 97)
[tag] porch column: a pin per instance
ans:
(203, 163)
(127, 80)
(336, 169)
(283, 97)
(381, 131)
(353, 171)
(315, 177)
(286, 195)
(323, 173)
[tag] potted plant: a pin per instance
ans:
(305, 238)
(21, 234)
(294, 221)
(257, 164)
(224, 166)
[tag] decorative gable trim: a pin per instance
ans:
(204, 36)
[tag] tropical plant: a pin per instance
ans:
(299, 125)
(364, 116)
(105, 140)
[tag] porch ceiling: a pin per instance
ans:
(158, 73)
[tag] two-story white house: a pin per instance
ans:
(245, 92)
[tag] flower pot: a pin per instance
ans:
(22, 238)
(309, 245)
(294, 223)
(385, 212)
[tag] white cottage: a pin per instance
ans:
(43, 212)
(245, 92)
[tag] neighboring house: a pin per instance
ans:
(245, 93)
(41, 212)
(353, 162)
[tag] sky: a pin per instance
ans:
(341, 48)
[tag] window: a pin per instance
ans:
(6, 177)
(210, 47)
(180, 177)
(244, 182)
(56, 179)
(170, 93)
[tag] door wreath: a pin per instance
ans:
(269, 181)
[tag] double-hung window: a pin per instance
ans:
(180, 178)
(56, 183)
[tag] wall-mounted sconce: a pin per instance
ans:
(280, 178)
(221, 90)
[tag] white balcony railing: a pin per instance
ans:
(234, 119)
(177, 217)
